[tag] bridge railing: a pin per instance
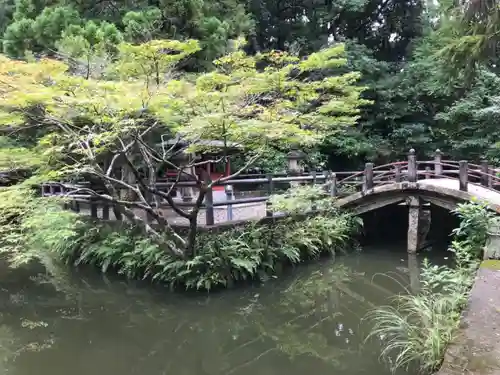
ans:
(335, 184)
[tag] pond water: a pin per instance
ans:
(308, 321)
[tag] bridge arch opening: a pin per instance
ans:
(388, 225)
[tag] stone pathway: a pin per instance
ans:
(476, 351)
(247, 211)
(477, 191)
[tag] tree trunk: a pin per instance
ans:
(129, 178)
(193, 225)
(191, 238)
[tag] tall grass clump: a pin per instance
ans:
(418, 328)
(255, 251)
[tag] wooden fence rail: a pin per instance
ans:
(335, 184)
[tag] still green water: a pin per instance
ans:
(310, 321)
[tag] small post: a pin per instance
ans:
(368, 183)
(93, 208)
(485, 169)
(427, 173)
(414, 210)
(328, 176)
(229, 197)
(209, 207)
(412, 166)
(463, 176)
(438, 167)
(76, 206)
(314, 176)
(397, 173)
(105, 211)
(270, 190)
(333, 185)
(118, 214)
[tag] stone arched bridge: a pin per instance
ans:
(444, 183)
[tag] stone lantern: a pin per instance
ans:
(294, 157)
(492, 247)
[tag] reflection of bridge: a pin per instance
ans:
(440, 182)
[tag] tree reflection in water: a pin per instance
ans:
(314, 318)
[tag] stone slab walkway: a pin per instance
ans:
(477, 348)
(475, 190)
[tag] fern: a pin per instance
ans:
(49, 234)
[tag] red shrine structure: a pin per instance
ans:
(211, 150)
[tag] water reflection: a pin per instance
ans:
(414, 273)
(311, 321)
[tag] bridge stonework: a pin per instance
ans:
(414, 213)
(417, 184)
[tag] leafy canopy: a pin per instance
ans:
(249, 100)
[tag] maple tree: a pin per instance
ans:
(140, 115)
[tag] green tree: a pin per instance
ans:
(19, 37)
(108, 131)
(51, 23)
(90, 46)
(143, 25)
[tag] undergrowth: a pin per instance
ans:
(418, 328)
(252, 252)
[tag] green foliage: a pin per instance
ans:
(142, 26)
(302, 199)
(14, 158)
(90, 45)
(19, 37)
(83, 120)
(48, 234)
(418, 329)
(51, 23)
(475, 220)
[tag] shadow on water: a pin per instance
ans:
(310, 320)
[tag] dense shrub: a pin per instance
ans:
(252, 252)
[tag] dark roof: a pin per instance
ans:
(202, 142)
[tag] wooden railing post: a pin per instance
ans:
(438, 167)
(463, 176)
(368, 177)
(333, 185)
(314, 175)
(228, 189)
(270, 190)
(428, 173)
(485, 171)
(105, 211)
(93, 208)
(397, 173)
(412, 166)
(209, 207)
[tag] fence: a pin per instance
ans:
(335, 184)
